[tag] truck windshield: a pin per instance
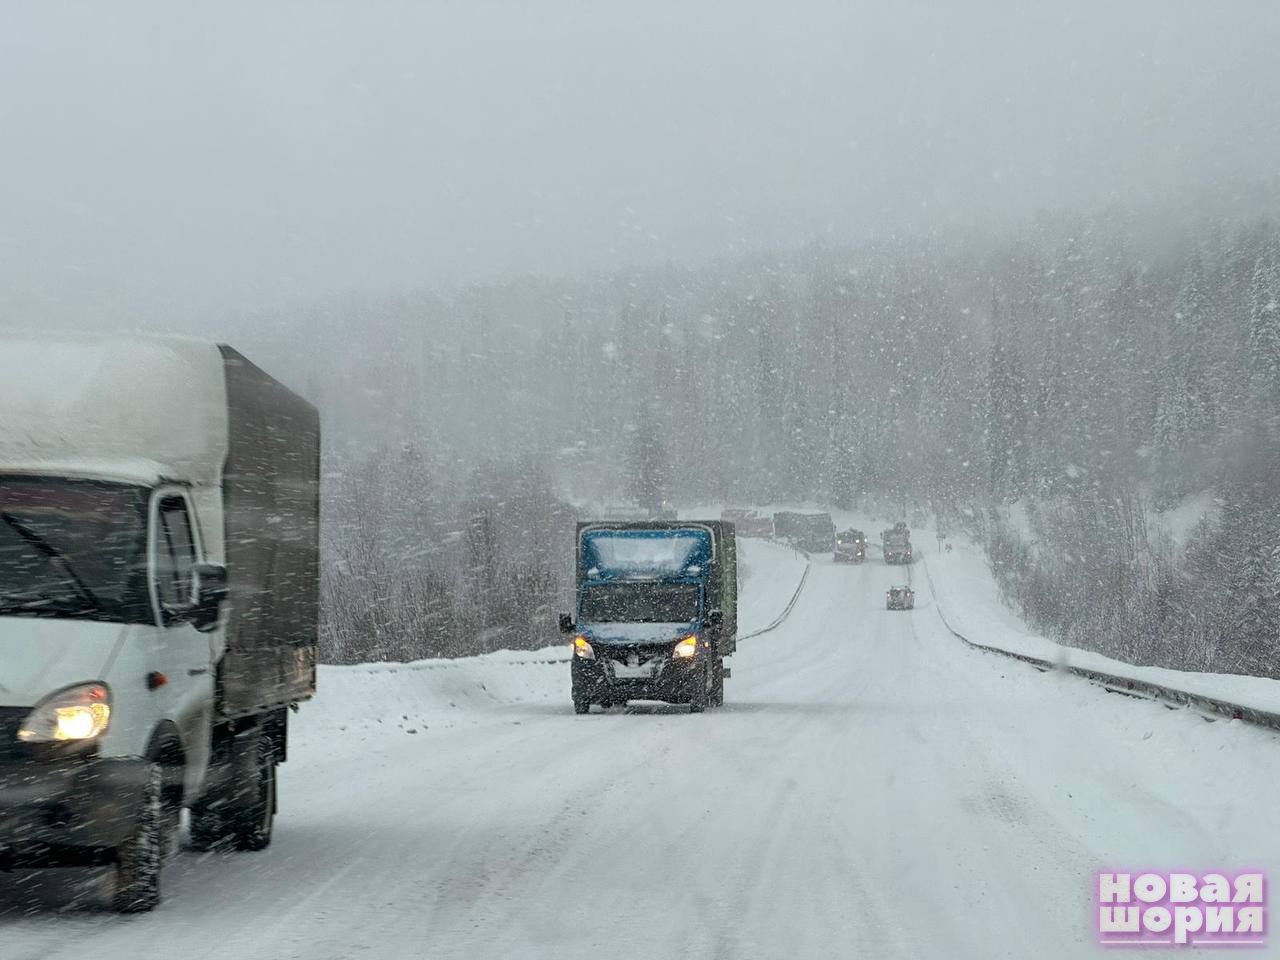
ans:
(640, 603)
(72, 549)
(660, 553)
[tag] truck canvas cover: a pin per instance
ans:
(271, 490)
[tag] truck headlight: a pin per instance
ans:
(581, 648)
(686, 648)
(75, 714)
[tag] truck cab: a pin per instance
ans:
(109, 625)
(158, 598)
(656, 613)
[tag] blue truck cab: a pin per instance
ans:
(656, 612)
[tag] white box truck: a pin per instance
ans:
(159, 529)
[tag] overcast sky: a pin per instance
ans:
(199, 156)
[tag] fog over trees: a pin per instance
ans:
(1093, 370)
(1012, 266)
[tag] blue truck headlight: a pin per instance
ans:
(686, 648)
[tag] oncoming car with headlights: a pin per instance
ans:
(900, 598)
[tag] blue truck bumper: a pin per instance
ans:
(596, 681)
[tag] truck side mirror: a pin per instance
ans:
(212, 578)
(715, 618)
(566, 623)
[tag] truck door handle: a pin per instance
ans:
(197, 671)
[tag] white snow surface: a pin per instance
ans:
(137, 407)
(872, 788)
(965, 585)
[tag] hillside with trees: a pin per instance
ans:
(1093, 370)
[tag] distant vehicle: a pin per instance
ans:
(159, 597)
(896, 544)
(748, 523)
(811, 532)
(818, 533)
(851, 546)
(900, 598)
(787, 525)
(657, 613)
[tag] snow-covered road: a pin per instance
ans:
(872, 788)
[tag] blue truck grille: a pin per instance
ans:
(10, 722)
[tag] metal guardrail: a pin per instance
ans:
(1172, 697)
(786, 611)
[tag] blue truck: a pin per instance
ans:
(656, 612)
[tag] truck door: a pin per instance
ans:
(181, 654)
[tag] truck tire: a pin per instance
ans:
(581, 706)
(699, 698)
(242, 816)
(254, 812)
(138, 862)
(717, 683)
(206, 830)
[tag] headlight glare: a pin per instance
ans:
(688, 647)
(581, 648)
(74, 714)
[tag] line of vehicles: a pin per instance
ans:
(159, 600)
(656, 600)
(816, 533)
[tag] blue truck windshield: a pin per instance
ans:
(640, 603)
(650, 554)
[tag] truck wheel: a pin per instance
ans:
(206, 828)
(581, 706)
(717, 683)
(254, 813)
(242, 816)
(698, 701)
(138, 862)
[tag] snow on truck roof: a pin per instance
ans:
(131, 408)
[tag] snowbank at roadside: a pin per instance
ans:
(969, 599)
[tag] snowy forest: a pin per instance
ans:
(1090, 370)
